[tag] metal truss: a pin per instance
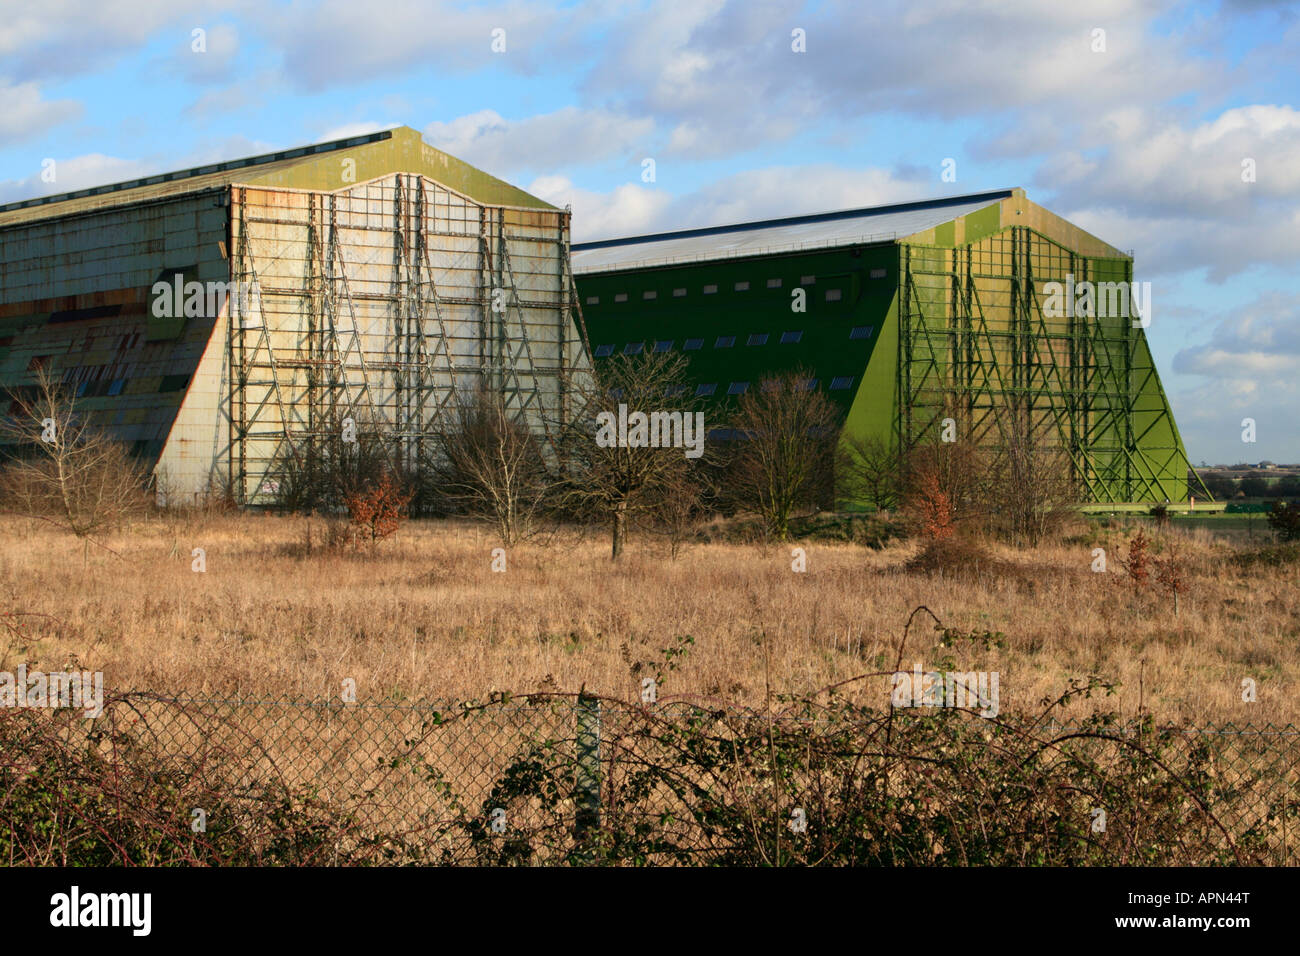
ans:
(976, 346)
(387, 303)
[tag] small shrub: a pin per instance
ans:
(1138, 562)
(930, 508)
(1284, 519)
(377, 510)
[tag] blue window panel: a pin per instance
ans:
(789, 338)
(725, 342)
(738, 388)
(708, 389)
(841, 382)
(758, 338)
(604, 350)
(664, 346)
(692, 344)
(861, 332)
(633, 348)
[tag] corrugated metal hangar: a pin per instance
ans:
(906, 315)
(218, 317)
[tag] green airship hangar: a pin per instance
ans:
(966, 308)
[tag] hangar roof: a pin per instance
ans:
(820, 230)
(307, 167)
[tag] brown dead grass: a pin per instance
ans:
(423, 616)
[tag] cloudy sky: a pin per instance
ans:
(1171, 129)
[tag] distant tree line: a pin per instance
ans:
(1253, 486)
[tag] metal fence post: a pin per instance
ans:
(587, 775)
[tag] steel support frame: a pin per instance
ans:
(975, 345)
(298, 364)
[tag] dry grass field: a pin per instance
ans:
(422, 615)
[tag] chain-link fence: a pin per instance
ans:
(556, 779)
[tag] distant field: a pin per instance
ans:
(425, 616)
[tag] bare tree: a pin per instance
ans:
(868, 469)
(321, 471)
(629, 450)
(489, 463)
(1031, 487)
(783, 459)
(66, 470)
(681, 508)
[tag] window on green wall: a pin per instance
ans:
(833, 295)
(710, 289)
(707, 389)
(678, 293)
(807, 280)
(633, 348)
(593, 300)
(725, 342)
(604, 350)
(758, 338)
(690, 345)
(649, 294)
(808, 384)
(621, 297)
(841, 382)
(774, 283)
(861, 332)
(878, 273)
(789, 338)
(664, 345)
(738, 388)
(742, 286)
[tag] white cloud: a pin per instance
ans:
(627, 210)
(77, 172)
(565, 138)
(1246, 368)
(57, 38)
(348, 130)
(26, 113)
(339, 42)
(635, 209)
(215, 63)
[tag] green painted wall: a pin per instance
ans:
(826, 344)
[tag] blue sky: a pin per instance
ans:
(1139, 138)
